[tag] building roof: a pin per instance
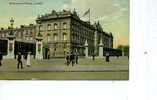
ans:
(63, 14)
(18, 28)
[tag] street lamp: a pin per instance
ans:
(11, 22)
(11, 34)
(11, 41)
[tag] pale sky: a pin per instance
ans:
(112, 14)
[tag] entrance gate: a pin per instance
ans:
(3, 46)
(25, 47)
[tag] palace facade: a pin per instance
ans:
(64, 32)
(22, 33)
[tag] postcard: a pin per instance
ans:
(64, 40)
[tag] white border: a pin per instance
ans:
(139, 87)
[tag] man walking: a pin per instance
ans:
(19, 59)
(1, 57)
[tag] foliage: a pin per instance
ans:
(124, 48)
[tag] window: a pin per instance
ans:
(55, 26)
(48, 37)
(64, 36)
(40, 27)
(64, 25)
(55, 37)
(26, 32)
(49, 27)
(2, 35)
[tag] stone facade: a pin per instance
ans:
(107, 38)
(23, 33)
(64, 32)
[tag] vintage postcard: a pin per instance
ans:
(64, 40)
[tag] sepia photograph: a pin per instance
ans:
(64, 40)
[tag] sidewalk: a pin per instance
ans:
(57, 65)
(67, 68)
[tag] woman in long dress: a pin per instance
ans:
(28, 63)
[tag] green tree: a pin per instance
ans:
(124, 48)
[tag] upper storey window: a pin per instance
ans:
(41, 28)
(64, 25)
(49, 27)
(64, 36)
(55, 26)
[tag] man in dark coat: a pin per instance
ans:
(93, 56)
(72, 57)
(107, 57)
(1, 58)
(19, 59)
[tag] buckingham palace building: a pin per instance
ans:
(65, 32)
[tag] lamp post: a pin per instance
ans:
(11, 22)
(11, 41)
(11, 34)
(39, 46)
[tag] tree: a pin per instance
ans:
(124, 48)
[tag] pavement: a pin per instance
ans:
(57, 65)
(68, 68)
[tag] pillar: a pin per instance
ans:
(39, 49)
(10, 48)
(86, 49)
(101, 49)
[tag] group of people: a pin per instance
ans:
(71, 58)
(107, 57)
(20, 59)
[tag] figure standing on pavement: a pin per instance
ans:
(76, 57)
(67, 58)
(19, 59)
(28, 62)
(1, 58)
(107, 57)
(93, 56)
(72, 57)
(24, 58)
(48, 54)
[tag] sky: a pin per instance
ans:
(113, 15)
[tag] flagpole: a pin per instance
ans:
(89, 15)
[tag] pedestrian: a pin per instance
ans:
(28, 62)
(67, 58)
(19, 59)
(1, 58)
(117, 56)
(24, 58)
(107, 57)
(72, 57)
(48, 54)
(76, 57)
(93, 56)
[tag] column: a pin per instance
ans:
(101, 49)
(39, 49)
(10, 49)
(86, 49)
